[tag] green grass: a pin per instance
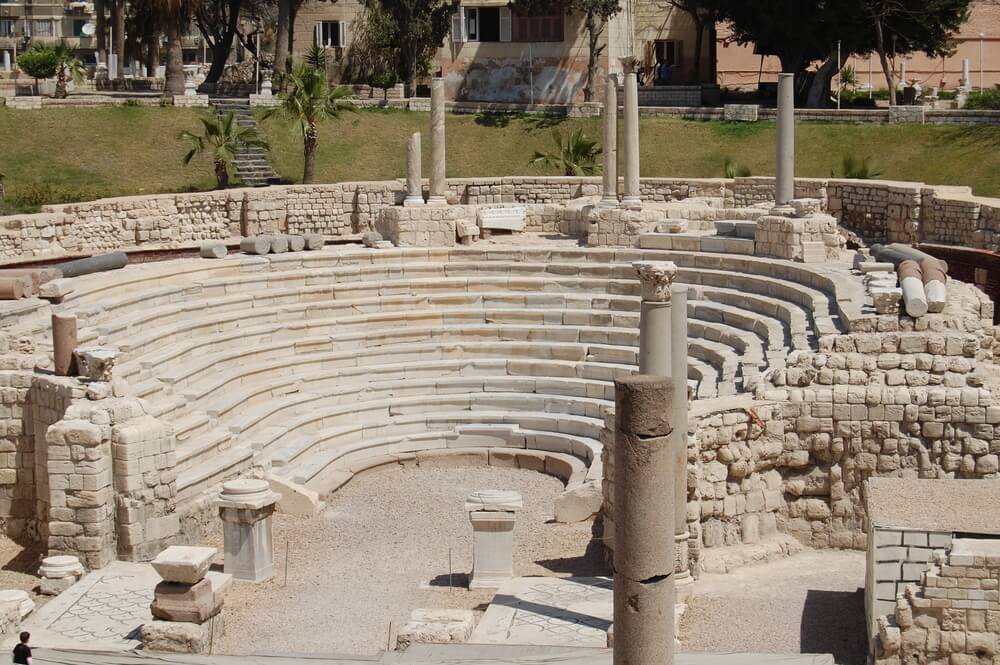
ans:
(77, 154)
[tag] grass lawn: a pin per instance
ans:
(74, 154)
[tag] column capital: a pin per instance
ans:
(630, 64)
(656, 278)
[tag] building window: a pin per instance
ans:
(668, 51)
(331, 34)
(7, 27)
(42, 28)
(548, 28)
(78, 27)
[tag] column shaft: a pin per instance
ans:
(644, 522)
(631, 198)
(439, 182)
(785, 182)
(610, 193)
(414, 183)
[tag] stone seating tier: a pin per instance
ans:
(315, 365)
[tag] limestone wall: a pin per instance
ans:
(951, 615)
(877, 211)
(95, 473)
(794, 456)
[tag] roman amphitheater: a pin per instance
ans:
(830, 413)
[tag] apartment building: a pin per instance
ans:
(494, 54)
(23, 22)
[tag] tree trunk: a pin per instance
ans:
(174, 84)
(118, 20)
(699, 44)
(890, 75)
(309, 153)
(819, 91)
(281, 37)
(61, 84)
(293, 12)
(221, 174)
(593, 52)
(408, 65)
(713, 54)
(152, 52)
(223, 46)
(101, 30)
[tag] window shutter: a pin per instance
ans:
(505, 24)
(458, 26)
(318, 34)
(343, 33)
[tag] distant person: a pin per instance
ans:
(22, 652)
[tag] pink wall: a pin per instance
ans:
(739, 67)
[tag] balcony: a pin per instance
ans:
(79, 8)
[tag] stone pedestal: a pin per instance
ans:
(631, 197)
(58, 573)
(245, 507)
(492, 515)
(609, 197)
(414, 184)
(784, 186)
(439, 182)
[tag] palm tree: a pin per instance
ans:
(173, 16)
(67, 66)
(577, 156)
(223, 137)
(309, 101)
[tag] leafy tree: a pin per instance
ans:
(596, 15)
(219, 23)
(909, 26)
(67, 66)
(222, 137)
(309, 101)
(39, 62)
(575, 156)
(415, 29)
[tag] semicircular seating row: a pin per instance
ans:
(315, 363)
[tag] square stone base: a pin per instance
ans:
(181, 636)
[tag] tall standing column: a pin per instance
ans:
(679, 365)
(654, 316)
(609, 199)
(414, 183)
(784, 190)
(64, 338)
(439, 182)
(631, 198)
(644, 522)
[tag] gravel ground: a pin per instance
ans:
(809, 603)
(381, 549)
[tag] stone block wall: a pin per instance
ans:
(947, 219)
(812, 239)
(952, 615)
(423, 226)
(877, 211)
(104, 478)
(896, 559)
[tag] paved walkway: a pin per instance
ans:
(571, 612)
(104, 610)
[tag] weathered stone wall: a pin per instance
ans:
(810, 240)
(952, 615)
(908, 403)
(877, 211)
(103, 469)
(17, 449)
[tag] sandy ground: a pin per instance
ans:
(812, 602)
(381, 548)
(19, 568)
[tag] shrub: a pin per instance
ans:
(988, 100)
(576, 155)
(858, 169)
(384, 80)
(734, 170)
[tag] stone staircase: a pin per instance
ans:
(253, 165)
